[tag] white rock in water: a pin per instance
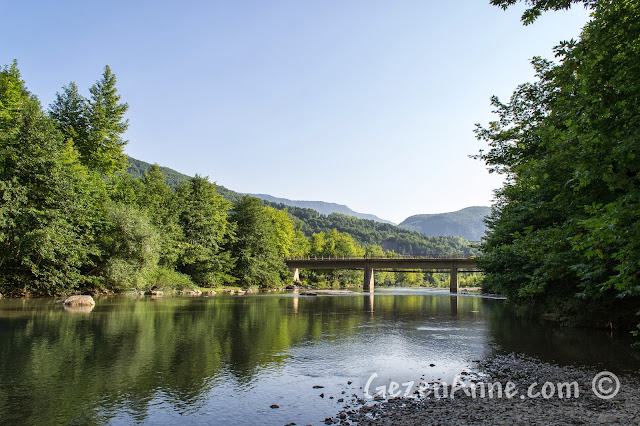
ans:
(79, 300)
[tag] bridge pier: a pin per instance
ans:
(296, 275)
(368, 280)
(453, 280)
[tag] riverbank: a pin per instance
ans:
(523, 372)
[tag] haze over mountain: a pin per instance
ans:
(468, 223)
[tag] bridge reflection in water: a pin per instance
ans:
(453, 265)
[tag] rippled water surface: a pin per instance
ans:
(227, 359)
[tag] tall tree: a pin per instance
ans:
(70, 111)
(104, 146)
(255, 246)
(50, 202)
(206, 231)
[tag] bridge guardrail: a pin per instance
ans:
(379, 258)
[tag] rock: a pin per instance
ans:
(156, 293)
(210, 293)
(318, 387)
(309, 293)
(79, 300)
(607, 419)
(240, 292)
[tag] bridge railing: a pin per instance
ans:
(437, 256)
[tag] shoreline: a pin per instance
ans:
(587, 408)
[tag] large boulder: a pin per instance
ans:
(79, 300)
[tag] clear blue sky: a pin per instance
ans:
(361, 102)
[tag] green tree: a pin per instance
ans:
(290, 239)
(160, 203)
(131, 247)
(206, 231)
(538, 6)
(103, 149)
(95, 125)
(257, 247)
(564, 233)
(70, 111)
(50, 202)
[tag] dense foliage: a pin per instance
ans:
(565, 232)
(72, 218)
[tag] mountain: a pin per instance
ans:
(137, 169)
(468, 223)
(321, 207)
(365, 231)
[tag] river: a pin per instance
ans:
(228, 359)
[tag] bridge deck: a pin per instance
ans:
(382, 263)
(453, 264)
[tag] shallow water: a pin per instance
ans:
(227, 359)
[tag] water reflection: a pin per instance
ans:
(78, 309)
(368, 302)
(226, 359)
(453, 303)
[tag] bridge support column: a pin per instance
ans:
(453, 280)
(296, 275)
(368, 280)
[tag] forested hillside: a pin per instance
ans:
(321, 207)
(469, 223)
(389, 237)
(138, 168)
(364, 232)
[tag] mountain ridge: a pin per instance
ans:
(322, 207)
(467, 222)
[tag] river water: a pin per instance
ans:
(228, 359)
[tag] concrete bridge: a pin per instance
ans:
(453, 265)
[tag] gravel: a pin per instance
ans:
(463, 409)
